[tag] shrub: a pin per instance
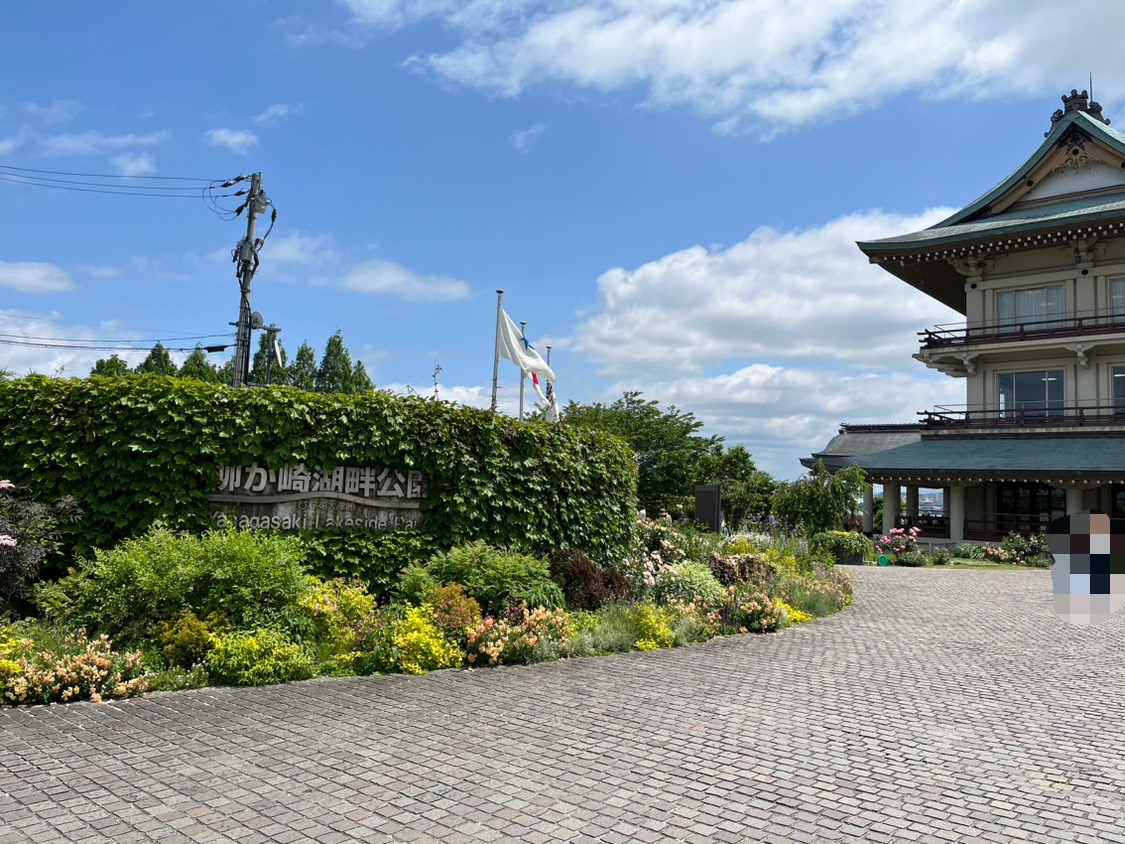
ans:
(794, 615)
(940, 557)
(455, 612)
(257, 658)
(251, 579)
(39, 664)
(819, 594)
(842, 543)
(337, 609)
(184, 641)
(373, 557)
(28, 535)
(520, 636)
(752, 611)
(375, 650)
(687, 581)
(915, 558)
(899, 541)
(1031, 550)
(654, 627)
(732, 569)
(585, 584)
(421, 645)
(495, 577)
(614, 630)
(969, 551)
(694, 624)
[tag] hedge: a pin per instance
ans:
(134, 451)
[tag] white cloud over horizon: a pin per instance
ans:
(387, 277)
(35, 277)
(90, 143)
(135, 164)
(745, 62)
(57, 111)
(276, 113)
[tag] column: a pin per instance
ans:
(956, 499)
(891, 494)
(1074, 501)
(868, 508)
(912, 502)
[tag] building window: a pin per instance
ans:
(1038, 393)
(1117, 296)
(1118, 387)
(1028, 507)
(1038, 305)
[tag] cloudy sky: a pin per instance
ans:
(669, 191)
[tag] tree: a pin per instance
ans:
(302, 373)
(112, 367)
(335, 372)
(361, 381)
(158, 362)
(746, 491)
(198, 367)
(821, 500)
(265, 362)
(668, 451)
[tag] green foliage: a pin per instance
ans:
(495, 578)
(819, 593)
(688, 581)
(653, 627)
(746, 491)
(969, 551)
(256, 658)
(40, 663)
(416, 586)
(361, 381)
(264, 368)
(753, 611)
(335, 372)
(669, 453)
(1029, 550)
(914, 557)
(112, 367)
(940, 557)
(373, 557)
(199, 368)
(586, 585)
(520, 637)
(158, 362)
(302, 373)
(454, 612)
(250, 579)
(133, 451)
(338, 608)
(842, 543)
(184, 641)
(29, 533)
(820, 501)
(422, 646)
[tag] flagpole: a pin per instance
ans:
(496, 354)
(523, 375)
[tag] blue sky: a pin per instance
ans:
(669, 190)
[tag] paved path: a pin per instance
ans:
(943, 706)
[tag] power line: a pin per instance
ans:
(218, 347)
(126, 340)
(104, 175)
(30, 318)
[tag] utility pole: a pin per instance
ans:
(246, 259)
(272, 331)
(523, 375)
(550, 387)
(496, 354)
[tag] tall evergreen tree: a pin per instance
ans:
(113, 366)
(302, 372)
(197, 366)
(264, 362)
(335, 372)
(158, 362)
(361, 381)
(226, 372)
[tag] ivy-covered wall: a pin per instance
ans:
(136, 450)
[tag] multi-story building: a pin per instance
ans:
(1037, 267)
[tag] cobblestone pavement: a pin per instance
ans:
(943, 706)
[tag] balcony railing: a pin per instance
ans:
(995, 527)
(930, 526)
(1078, 325)
(1072, 415)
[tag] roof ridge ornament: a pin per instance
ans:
(1076, 101)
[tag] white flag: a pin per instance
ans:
(514, 347)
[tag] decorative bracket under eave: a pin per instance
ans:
(970, 362)
(1083, 354)
(973, 266)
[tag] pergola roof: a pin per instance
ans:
(860, 440)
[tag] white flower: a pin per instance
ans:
(9, 541)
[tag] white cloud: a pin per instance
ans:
(10, 145)
(745, 61)
(807, 295)
(31, 277)
(99, 271)
(396, 280)
(135, 164)
(300, 248)
(59, 111)
(90, 143)
(522, 140)
(44, 329)
(276, 113)
(239, 141)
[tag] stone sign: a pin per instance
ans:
(299, 497)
